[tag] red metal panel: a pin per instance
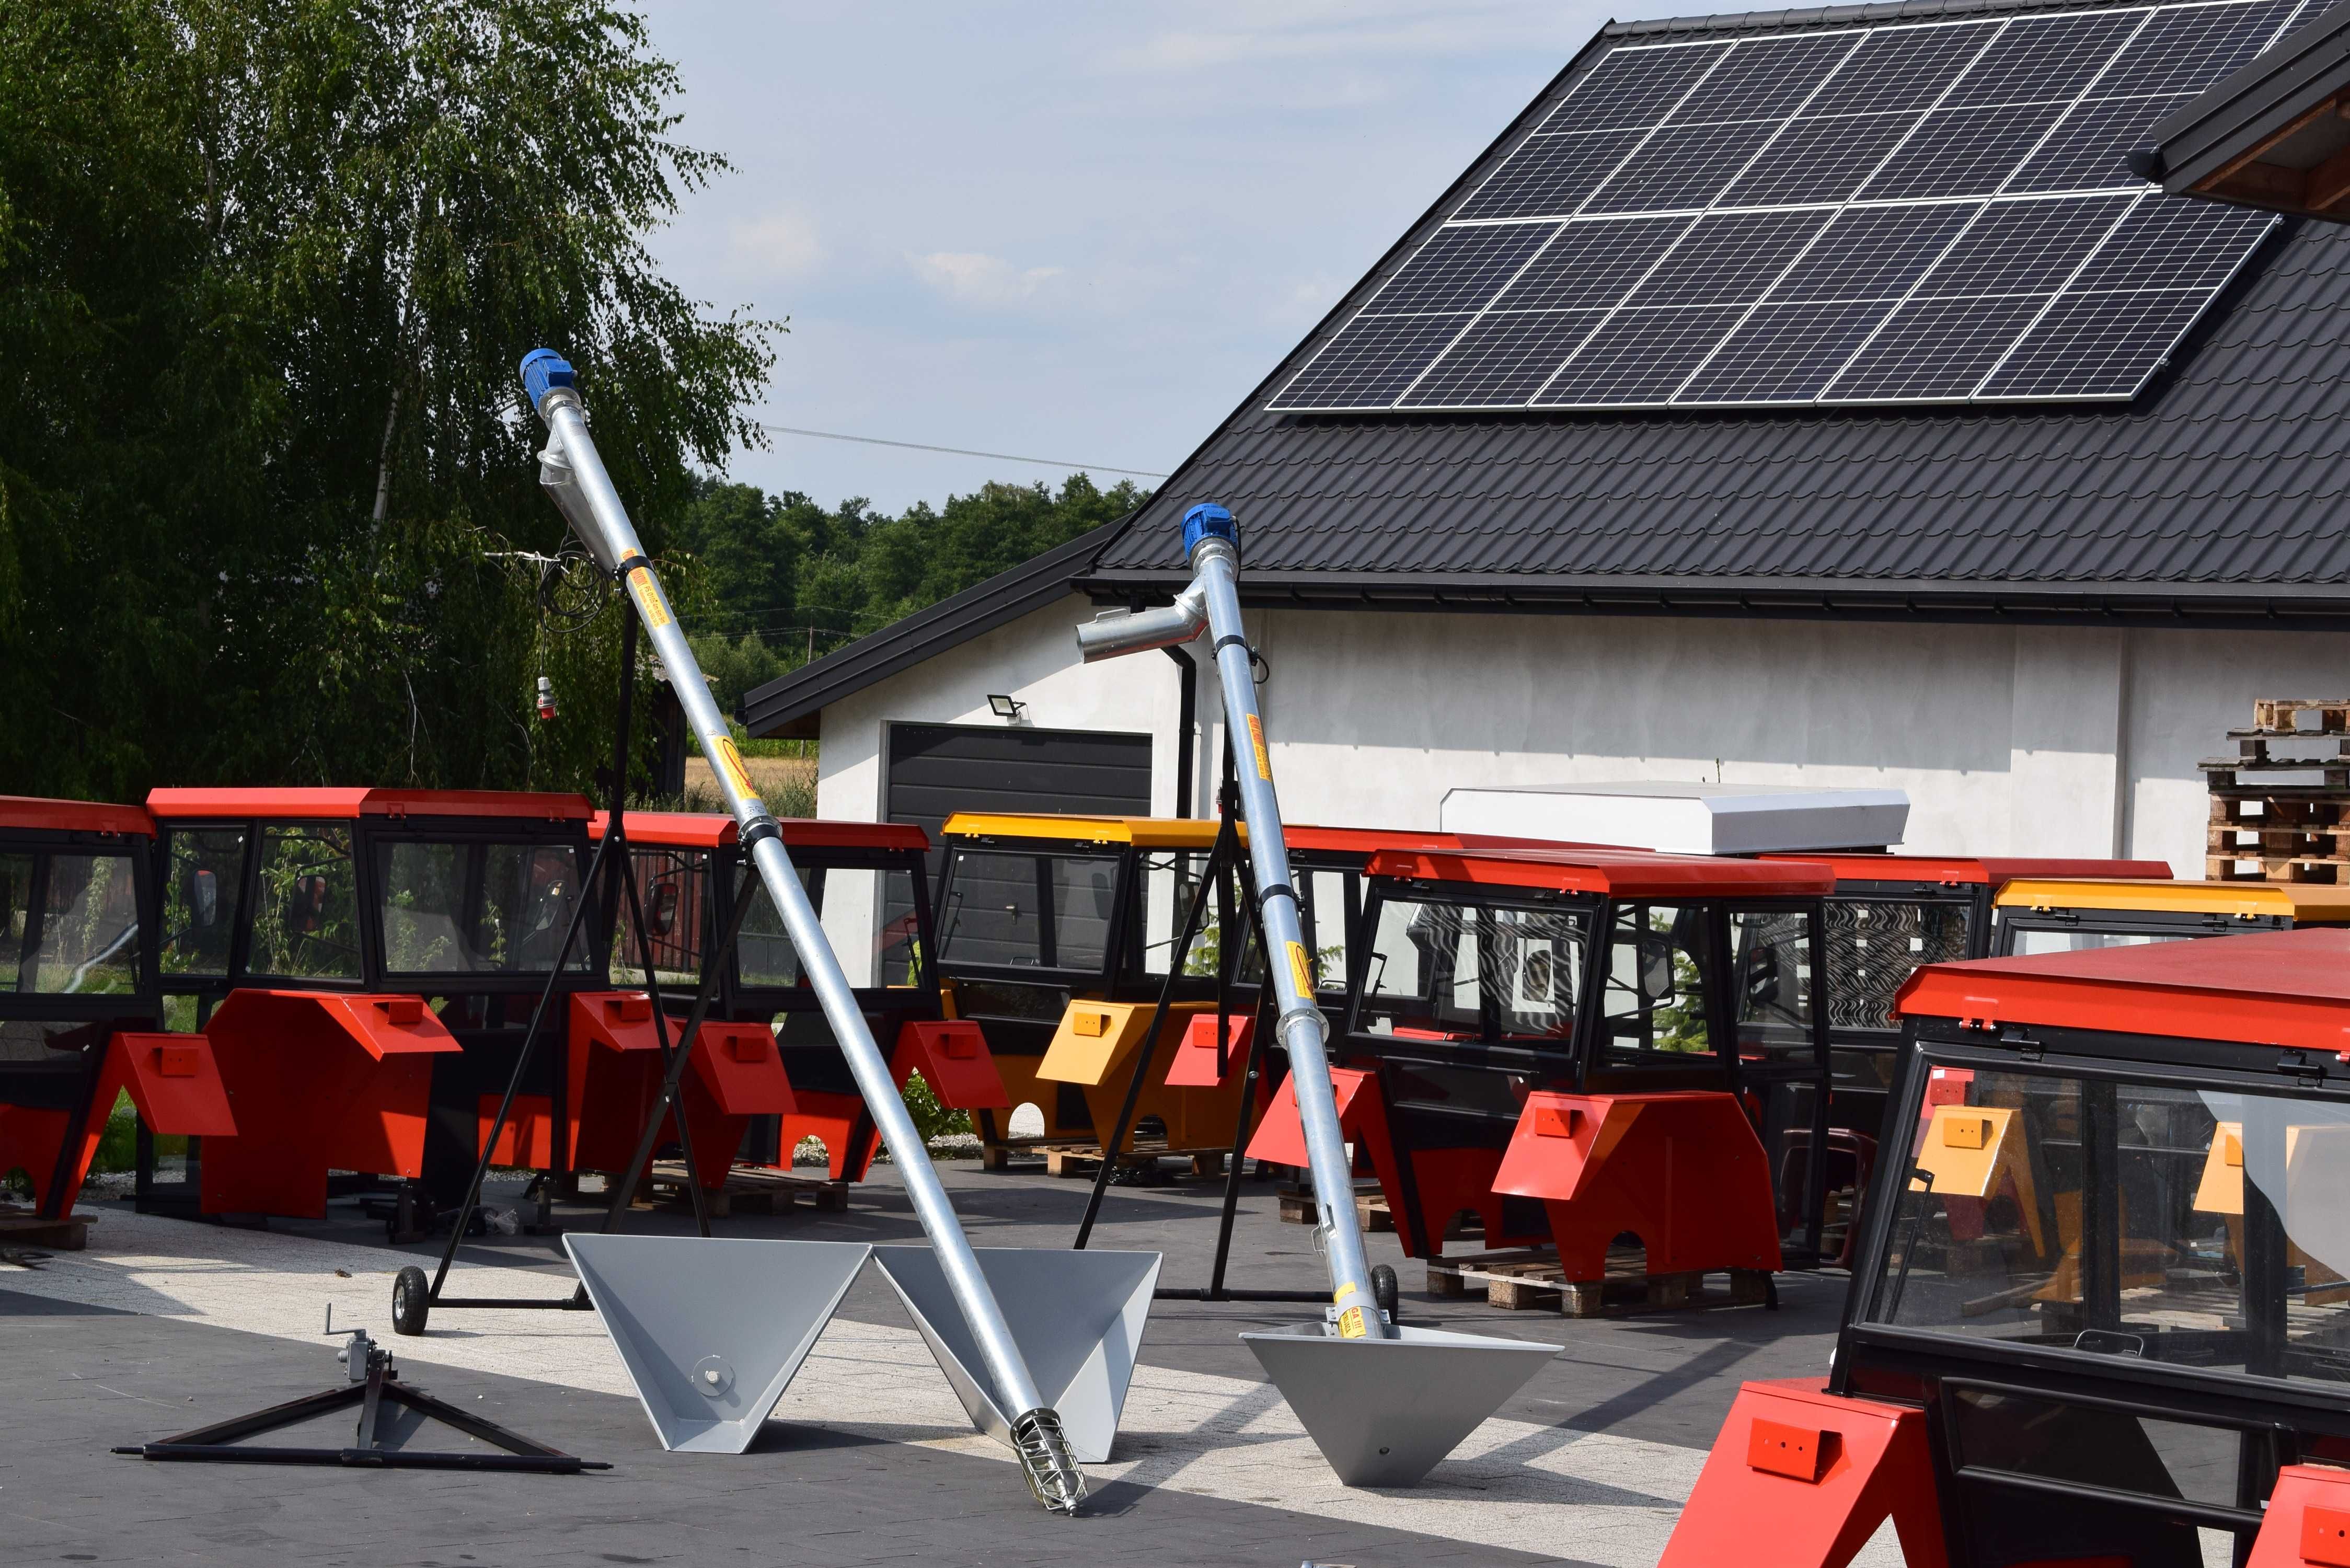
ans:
(173, 1080)
(840, 1123)
(2307, 1520)
(317, 1081)
(350, 803)
(709, 829)
(35, 815)
(739, 1065)
(1683, 1171)
(1195, 1066)
(527, 1140)
(1870, 1464)
(953, 1057)
(31, 1138)
(2273, 989)
(1623, 873)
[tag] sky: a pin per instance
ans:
(1078, 232)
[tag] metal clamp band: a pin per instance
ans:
(1284, 888)
(1224, 642)
(629, 564)
(762, 829)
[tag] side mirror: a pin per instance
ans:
(305, 907)
(204, 898)
(661, 918)
(1655, 967)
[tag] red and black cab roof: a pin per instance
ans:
(351, 805)
(1967, 870)
(2285, 988)
(1611, 873)
(713, 829)
(25, 812)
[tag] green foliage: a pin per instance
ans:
(267, 268)
(117, 1146)
(784, 580)
(932, 1119)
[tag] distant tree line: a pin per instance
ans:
(778, 579)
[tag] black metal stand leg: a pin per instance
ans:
(673, 1066)
(515, 1079)
(1150, 1036)
(1259, 1042)
(673, 1074)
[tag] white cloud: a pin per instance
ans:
(975, 277)
(780, 245)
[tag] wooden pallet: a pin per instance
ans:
(749, 1190)
(23, 1228)
(1070, 1161)
(1371, 1208)
(1531, 1279)
(2272, 715)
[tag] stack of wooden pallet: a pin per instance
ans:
(2281, 808)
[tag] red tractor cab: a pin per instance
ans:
(2102, 1301)
(80, 1011)
(364, 963)
(1889, 916)
(1564, 1045)
(870, 885)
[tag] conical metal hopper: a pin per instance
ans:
(1384, 1411)
(1078, 1318)
(711, 1329)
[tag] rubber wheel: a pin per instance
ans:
(1385, 1290)
(411, 1302)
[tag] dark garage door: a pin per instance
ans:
(936, 769)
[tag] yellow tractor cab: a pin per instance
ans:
(2050, 916)
(1056, 935)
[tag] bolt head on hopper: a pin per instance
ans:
(1385, 1411)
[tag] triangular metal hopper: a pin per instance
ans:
(1078, 1318)
(711, 1329)
(1384, 1411)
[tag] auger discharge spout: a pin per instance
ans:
(574, 475)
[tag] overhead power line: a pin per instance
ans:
(963, 452)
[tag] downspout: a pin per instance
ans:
(1186, 723)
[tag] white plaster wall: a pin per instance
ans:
(2027, 741)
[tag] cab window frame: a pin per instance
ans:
(144, 997)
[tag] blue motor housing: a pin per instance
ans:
(1208, 520)
(543, 370)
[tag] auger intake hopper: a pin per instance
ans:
(1078, 1318)
(1385, 1411)
(711, 1329)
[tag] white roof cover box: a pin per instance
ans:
(1685, 818)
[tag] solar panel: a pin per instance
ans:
(1926, 211)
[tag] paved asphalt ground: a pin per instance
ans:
(77, 1379)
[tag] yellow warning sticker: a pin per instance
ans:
(1341, 1294)
(1256, 739)
(731, 759)
(649, 599)
(1350, 1324)
(1300, 970)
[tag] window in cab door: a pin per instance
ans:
(305, 916)
(1472, 971)
(71, 924)
(1655, 1002)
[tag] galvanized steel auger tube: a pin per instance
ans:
(575, 478)
(1212, 603)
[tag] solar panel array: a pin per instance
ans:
(1927, 212)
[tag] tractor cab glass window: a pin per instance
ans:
(1323, 909)
(1654, 1002)
(477, 908)
(1874, 944)
(764, 957)
(1774, 950)
(203, 888)
(868, 913)
(2041, 939)
(306, 908)
(1169, 880)
(673, 885)
(1466, 972)
(72, 924)
(1028, 911)
(2155, 1223)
